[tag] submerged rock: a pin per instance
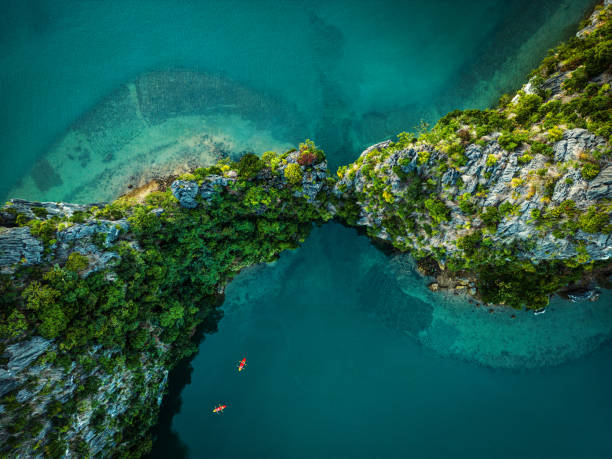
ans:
(584, 295)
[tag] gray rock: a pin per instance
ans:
(17, 244)
(575, 190)
(585, 295)
(7, 383)
(574, 141)
(20, 355)
(470, 183)
(473, 152)
(378, 146)
(25, 352)
(98, 259)
(601, 186)
(80, 231)
(185, 191)
(450, 177)
(212, 185)
(53, 209)
(23, 395)
(554, 83)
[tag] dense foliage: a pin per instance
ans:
(173, 264)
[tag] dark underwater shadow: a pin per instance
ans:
(166, 442)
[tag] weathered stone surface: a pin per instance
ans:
(570, 186)
(213, 184)
(53, 209)
(20, 356)
(601, 186)
(79, 231)
(554, 83)
(18, 245)
(576, 141)
(497, 179)
(185, 191)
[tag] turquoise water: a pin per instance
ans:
(349, 354)
(348, 73)
(336, 371)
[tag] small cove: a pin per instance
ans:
(331, 373)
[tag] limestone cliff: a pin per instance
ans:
(523, 188)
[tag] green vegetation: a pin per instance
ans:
(166, 284)
(437, 210)
(76, 262)
(293, 174)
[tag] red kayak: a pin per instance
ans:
(219, 409)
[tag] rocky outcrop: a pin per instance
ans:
(313, 178)
(601, 186)
(503, 190)
(18, 246)
(19, 356)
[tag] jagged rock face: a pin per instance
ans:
(574, 142)
(52, 209)
(20, 362)
(313, 180)
(20, 356)
(601, 186)
(115, 393)
(186, 192)
(505, 180)
(17, 245)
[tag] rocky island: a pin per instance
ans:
(99, 302)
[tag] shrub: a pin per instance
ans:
(14, 326)
(525, 107)
(466, 205)
(491, 160)
(306, 158)
(437, 210)
(589, 171)
(77, 262)
(388, 197)
(249, 165)
(309, 147)
(505, 208)
(516, 182)
(555, 134)
(578, 80)
(542, 149)
(490, 217)
(504, 100)
(40, 212)
(293, 174)
(456, 152)
(271, 159)
(593, 221)
(509, 141)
